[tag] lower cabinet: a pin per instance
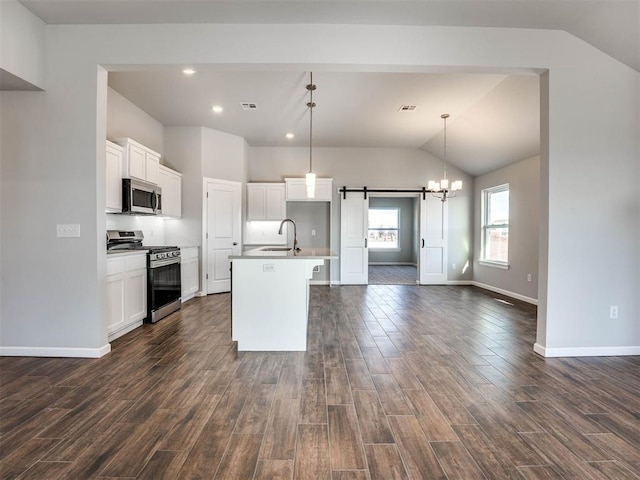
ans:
(189, 272)
(126, 293)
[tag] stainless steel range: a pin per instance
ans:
(164, 288)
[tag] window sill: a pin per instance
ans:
(502, 266)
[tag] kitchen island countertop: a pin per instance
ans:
(305, 253)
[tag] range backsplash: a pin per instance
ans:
(152, 227)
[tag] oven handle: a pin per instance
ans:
(164, 263)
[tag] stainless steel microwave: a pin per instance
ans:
(141, 198)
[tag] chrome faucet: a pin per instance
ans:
(295, 233)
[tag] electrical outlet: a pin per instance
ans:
(313, 232)
(67, 230)
(613, 311)
(454, 266)
(269, 267)
(528, 277)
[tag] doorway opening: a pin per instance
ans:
(393, 240)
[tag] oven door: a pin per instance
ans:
(164, 289)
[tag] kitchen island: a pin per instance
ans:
(270, 297)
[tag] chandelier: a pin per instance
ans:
(310, 177)
(441, 189)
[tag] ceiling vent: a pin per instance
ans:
(248, 106)
(407, 108)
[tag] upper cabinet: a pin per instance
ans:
(114, 178)
(171, 183)
(297, 190)
(139, 161)
(266, 201)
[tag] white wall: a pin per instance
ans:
(22, 43)
(57, 159)
(125, 119)
(198, 152)
(373, 167)
(524, 205)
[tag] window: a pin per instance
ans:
(495, 225)
(384, 224)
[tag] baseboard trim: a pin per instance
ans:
(55, 352)
(517, 296)
(318, 282)
(585, 351)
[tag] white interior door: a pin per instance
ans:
(433, 241)
(222, 236)
(354, 254)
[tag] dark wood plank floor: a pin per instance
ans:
(399, 382)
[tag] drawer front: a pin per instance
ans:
(115, 266)
(137, 262)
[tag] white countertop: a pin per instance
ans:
(305, 253)
(125, 253)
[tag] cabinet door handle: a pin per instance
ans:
(423, 243)
(366, 242)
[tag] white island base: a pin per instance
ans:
(270, 301)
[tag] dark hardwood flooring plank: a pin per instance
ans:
(415, 450)
(374, 426)
(434, 425)
(385, 463)
(312, 453)
(347, 451)
(337, 386)
(241, 457)
(359, 376)
(456, 461)
(279, 442)
(391, 396)
(350, 475)
(314, 402)
(163, 465)
(274, 470)
(20, 460)
(45, 470)
(626, 453)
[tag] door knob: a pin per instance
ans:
(235, 243)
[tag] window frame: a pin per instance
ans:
(487, 227)
(397, 248)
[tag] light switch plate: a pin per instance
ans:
(67, 230)
(269, 267)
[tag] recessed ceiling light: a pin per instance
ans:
(188, 71)
(217, 108)
(290, 135)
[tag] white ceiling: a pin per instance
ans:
(494, 118)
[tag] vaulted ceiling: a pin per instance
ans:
(494, 118)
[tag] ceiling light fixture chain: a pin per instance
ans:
(441, 189)
(310, 177)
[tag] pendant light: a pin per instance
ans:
(310, 177)
(441, 189)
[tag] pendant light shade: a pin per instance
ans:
(310, 180)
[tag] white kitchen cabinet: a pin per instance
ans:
(297, 190)
(266, 201)
(171, 183)
(139, 161)
(126, 293)
(113, 200)
(189, 272)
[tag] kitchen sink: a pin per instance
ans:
(276, 249)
